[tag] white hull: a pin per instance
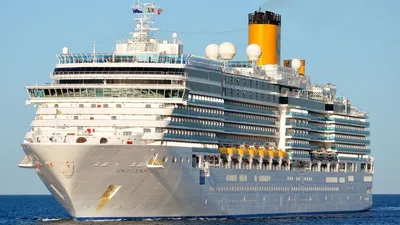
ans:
(175, 190)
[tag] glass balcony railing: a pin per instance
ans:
(297, 114)
(350, 131)
(336, 129)
(341, 158)
(112, 58)
(296, 155)
(298, 135)
(305, 125)
(353, 122)
(357, 141)
(250, 109)
(318, 118)
(190, 137)
(256, 121)
(321, 138)
(298, 145)
(204, 102)
(247, 131)
(195, 125)
(336, 139)
(352, 150)
(195, 113)
(238, 141)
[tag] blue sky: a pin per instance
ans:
(353, 44)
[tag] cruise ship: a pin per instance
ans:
(150, 132)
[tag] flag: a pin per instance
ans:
(58, 112)
(159, 11)
(149, 10)
(137, 11)
(152, 10)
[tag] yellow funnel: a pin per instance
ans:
(265, 31)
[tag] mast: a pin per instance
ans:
(144, 13)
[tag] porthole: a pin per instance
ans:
(103, 141)
(81, 140)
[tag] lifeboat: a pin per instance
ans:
(252, 151)
(232, 151)
(223, 151)
(242, 151)
(262, 152)
(271, 152)
(282, 153)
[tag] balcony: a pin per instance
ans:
(297, 135)
(191, 126)
(192, 138)
(298, 145)
(349, 140)
(206, 103)
(301, 125)
(190, 113)
(352, 150)
(248, 131)
(350, 131)
(250, 109)
(247, 120)
(298, 115)
(229, 141)
(352, 122)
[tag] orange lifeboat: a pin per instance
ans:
(242, 151)
(281, 153)
(261, 151)
(252, 151)
(271, 153)
(232, 151)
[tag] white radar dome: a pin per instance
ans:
(295, 64)
(175, 35)
(212, 51)
(253, 52)
(227, 51)
(65, 51)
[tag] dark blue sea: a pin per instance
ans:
(45, 210)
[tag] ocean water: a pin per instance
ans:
(45, 210)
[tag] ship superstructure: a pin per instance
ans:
(150, 132)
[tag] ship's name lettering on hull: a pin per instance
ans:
(126, 171)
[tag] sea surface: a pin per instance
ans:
(45, 210)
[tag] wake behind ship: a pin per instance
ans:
(150, 132)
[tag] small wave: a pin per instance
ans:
(386, 209)
(50, 219)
